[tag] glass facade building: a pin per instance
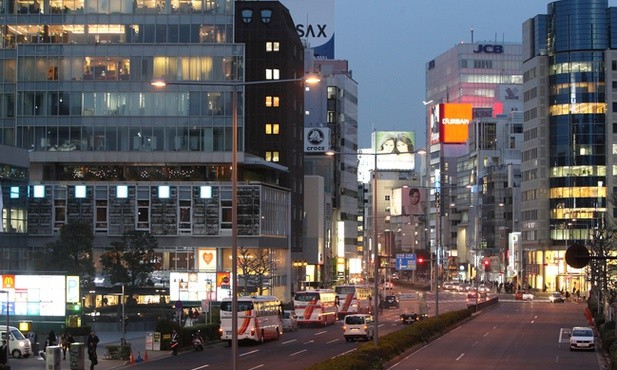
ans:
(566, 158)
(108, 148)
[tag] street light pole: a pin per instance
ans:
(7, 325)
(375, 254)
(234, 183)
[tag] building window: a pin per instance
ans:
(272, 129)
(272, 46)
(184, 209)
(266, 16)
(272, 74)
(100, 213)
(59, 207)
(80, 191)
(247, 15)
(272, 101)
(143, 208)
(272, 156)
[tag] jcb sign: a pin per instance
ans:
(489, 49)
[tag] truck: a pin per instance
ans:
(413, 306)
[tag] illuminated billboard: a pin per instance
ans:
(394, 150)
(314, 22)
(316, 139)
(197, 286)
(39, 295)
(449, 123)
(408, 201)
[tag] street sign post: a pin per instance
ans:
(405, 261)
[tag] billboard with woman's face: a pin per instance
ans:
(394, 150)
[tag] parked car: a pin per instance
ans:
(523, 295)
(582, 338)
(358, 326)
(290, 321)
(556, 297)
(391, 301)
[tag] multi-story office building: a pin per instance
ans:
(487, 76)
(569, 135)
(334, 114)
(109, 149)
(14, 245)
(487, 196)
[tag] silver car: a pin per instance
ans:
(290, 321)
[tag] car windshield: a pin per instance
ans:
(286, 315)
(582, 333)
(17, 334)
(354, 320)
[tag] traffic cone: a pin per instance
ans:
(145, 355)
(131, 358)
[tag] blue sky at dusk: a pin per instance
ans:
(388, 44)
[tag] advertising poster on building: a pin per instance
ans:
(207, 259)
(449, 123)
(195, 287)
(408, 201)
(394, 150)
(314, 22)
(39, 295)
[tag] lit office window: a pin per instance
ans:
(272, 156)
(272, 101)
(164, 192)
(80, 191)
(205, 192)
(122, 191)
(14, 192)
(39, 191)
(272, 46)
(272, 129)
(273, 74)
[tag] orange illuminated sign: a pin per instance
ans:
(449, 123)
(8, 281)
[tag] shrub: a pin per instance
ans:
(118, 352)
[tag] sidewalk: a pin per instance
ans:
(137, 339)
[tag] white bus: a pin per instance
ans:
(259, 318)
(316, 306)
(353, 299)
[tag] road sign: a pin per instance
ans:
(405, 261)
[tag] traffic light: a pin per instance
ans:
(73, 308)
(487, 265)
(420, 260)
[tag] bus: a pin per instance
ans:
(353, 299)
(316, 306)
(259, 319)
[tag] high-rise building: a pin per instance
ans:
(469, 81)
(109, 149)
(334, 115)
(569, 135)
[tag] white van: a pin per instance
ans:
(19, 345)
(358, 326)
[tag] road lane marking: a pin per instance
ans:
(486, 334)
(289, 341)
(320, 332)
(201, 367)
(459, 357)
(257, 367)
(309, 342)
(297, 353)
(332, 341)
(249, 353)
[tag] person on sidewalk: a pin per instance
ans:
(92, 342)
(174, 342)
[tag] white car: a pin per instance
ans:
(358, 326)
(290, 321)
(582, 338)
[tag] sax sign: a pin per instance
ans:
(316, 140)
(314, 22)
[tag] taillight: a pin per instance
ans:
(365, 327)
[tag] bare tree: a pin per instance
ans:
(256, 268)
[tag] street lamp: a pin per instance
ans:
(235, 85)
(7, 324)
(300, 265)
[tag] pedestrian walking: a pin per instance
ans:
(51, 339)
(65, 341)
(174, 342)
(92, 342)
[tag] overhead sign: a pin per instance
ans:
(316, 139)
(449, 123)
(314, 22)
(405, 261)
